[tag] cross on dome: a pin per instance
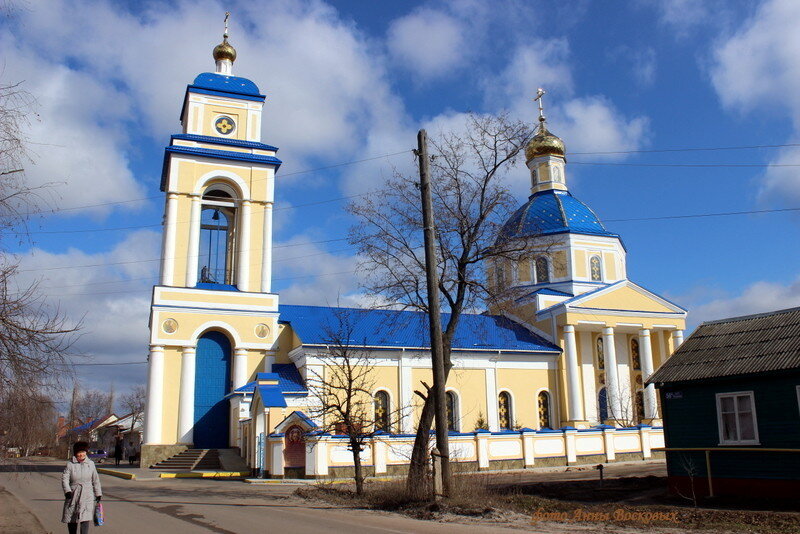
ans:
(225, 54)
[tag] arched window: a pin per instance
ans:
(381, 401)
(602, 401)
(217, 238)
(600, 352)
(639, 406)
(542, 270)
(504, 410)
(500, 273)
(452, 411)
(636, 361)
(544, 410)
(596, 267)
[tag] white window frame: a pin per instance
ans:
(734, 394)
(589, 266)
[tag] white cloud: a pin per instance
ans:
(759, 297)
(429, 43)
(593, 124)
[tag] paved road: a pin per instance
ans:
(224, 507)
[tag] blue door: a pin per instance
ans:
(212, 380)
(603, 401)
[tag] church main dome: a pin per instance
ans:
(544, 143)
(552, 212)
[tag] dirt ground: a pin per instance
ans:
(16, 518)
(575, 500)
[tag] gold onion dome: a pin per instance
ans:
(544, 143)
(224, 50)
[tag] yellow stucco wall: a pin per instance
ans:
(625, 298)
(524, 385)
(579, 263)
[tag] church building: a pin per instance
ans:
(229, 366)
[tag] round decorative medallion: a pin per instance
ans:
(225, 125)
(294, 434)
(262, 330)
(169, 326)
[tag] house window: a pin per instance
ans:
(636, 361)
(542, 270)
(596, 268)
(736, 416)
(504, 410)
(452, 411)
(599, 350)
(382, 411)
(544, 410)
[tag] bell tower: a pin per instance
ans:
(213, 319)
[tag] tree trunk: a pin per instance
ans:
(419, 454)
(357, 465)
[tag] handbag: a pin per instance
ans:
(99, 516)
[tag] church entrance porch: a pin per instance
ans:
(211, 410)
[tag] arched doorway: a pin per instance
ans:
(211, 384)
(294, 450)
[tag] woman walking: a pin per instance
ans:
(118, 445)
(81, 489)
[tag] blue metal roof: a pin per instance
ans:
(289, 379)
(553, 212)
(226, 84)
(224, 141)
(393, 328)
(271, 396)
(544, 291)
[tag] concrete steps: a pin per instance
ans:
(191, 459)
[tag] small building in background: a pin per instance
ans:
(730, 399)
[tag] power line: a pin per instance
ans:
(698, 215)
(700, 165)
(687, 149)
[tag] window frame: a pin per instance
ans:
(599, 256)
(546, 270)
(456, 415)
(510, 410)
(734, 395)
(387, 415)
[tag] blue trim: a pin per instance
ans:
(223, 141)
(224, 154)
(229, 94)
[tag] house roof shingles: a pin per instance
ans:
(737, 346)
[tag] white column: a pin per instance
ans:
(186, 403)
(491, 400)
(243, 270)
(193, 255)
(239, 368)
(269, 359)
(573, 380)
(266, 251)
(646, 357)
(155, 396)
(612, 378)
(677, 339)
(170, 232)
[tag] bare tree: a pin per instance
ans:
(344, 390)
(92, 405)
(133, 403)
(28, 421)
(471, 203)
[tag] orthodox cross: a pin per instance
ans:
(539, 94)
(227, 16)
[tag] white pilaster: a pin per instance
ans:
(406, 395)
(186, 403)
(269, 359)
(677, 339)
(612, 377)
(492, 417)
(573, 380)
(588, 375)
(243, 270)
(266, 252)
(155, 396)
(193, 254)
(646, 357)
(239, 368)
(170, 232)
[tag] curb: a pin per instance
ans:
(115, 473)
(213, 474)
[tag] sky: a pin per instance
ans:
(634, 88)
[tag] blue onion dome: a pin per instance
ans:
(228, 84)
(552, 212)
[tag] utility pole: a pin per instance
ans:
(437, 350)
